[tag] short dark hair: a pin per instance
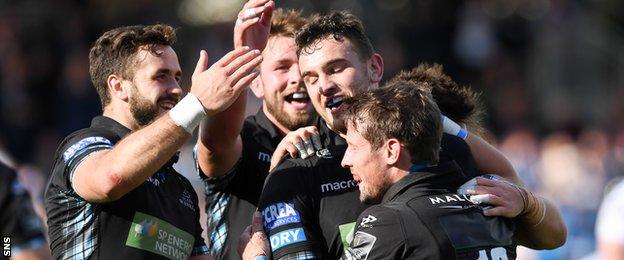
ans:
(401, 110)
(286, 22)
(115, 50)
(458, 102)
(339, 25)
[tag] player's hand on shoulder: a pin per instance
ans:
(504, 198)
(303, 142)
(253, 24)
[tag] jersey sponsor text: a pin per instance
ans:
(338, 185)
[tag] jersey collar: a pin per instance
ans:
(445, 176)
(109, 124)
(267, 125)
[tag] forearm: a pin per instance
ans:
(130, 162)
(219, 145)
(541, 226)
(490, 160)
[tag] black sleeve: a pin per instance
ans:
(18, 219)
(290, 214)
(76, 149)
(456, 149)
(378, 234)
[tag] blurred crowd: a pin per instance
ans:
(550, 74)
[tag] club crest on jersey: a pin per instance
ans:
(186, 200)
(367, 221)
(287, 237)
(280, 214)
(324, 153)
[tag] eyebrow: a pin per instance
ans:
(168, 71)
(333, 62)
(327, 64)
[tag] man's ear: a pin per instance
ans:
(375, 68)
(257, 87)
(393, 151)
(117, 88)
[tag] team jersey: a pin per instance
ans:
(310, 206)
(232, 198)
(157, 220)
(18, 220)
(419, 217)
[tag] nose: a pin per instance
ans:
(175, 90)
(345, 163)
(328, 88)
(294, 77)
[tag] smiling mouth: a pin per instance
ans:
(334, 102)
(300, 97)
(167, 104)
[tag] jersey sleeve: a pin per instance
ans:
(378, 234)
(456, 149)
(290, 216)
(220, 183)
(78, 148)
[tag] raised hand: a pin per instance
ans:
(254, 24)
(219, 86)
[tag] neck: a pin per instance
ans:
(397, 173)
(281, 128)
(122, 116)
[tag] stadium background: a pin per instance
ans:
(551, 73)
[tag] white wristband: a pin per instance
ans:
(452, 128)
(188, 113)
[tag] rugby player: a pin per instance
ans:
(113, 191)
(234, 153)
(309, 206)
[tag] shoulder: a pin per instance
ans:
(380, 218)
(290, 173)
(83, 139)
(378, 234)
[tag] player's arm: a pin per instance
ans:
(487, 158)
(107, 175)
(219, 145)
(541, 225)
(289, 218)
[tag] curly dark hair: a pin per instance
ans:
(457, 102)
(339, 25)
(115, 50)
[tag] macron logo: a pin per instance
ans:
(264, 157)
(338, 185)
